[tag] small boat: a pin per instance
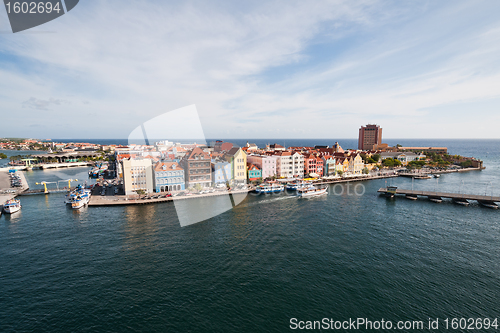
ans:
(462, 202)
(391, 191)
(12, 206)
(488, 204)
(436, 175)
(436, 199)
(310, 191)
(412, 196)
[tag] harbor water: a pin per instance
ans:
(253, 268)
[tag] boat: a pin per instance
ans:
(391, 191)
(488, 204)
(294, 186)
(78, 197)
(311, 191)
(12, 206)
(412, 196)
(436, 175)
(436, 199)
(462, 202)
(269, 188)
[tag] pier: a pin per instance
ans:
(461, 197)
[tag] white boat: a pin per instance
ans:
(311, 191)
(293, 186)
(12, 206)
(436, 199)
(79, 202)
(269, 188)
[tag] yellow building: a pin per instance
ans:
(238, 159)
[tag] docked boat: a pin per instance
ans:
(391, 191)
(12, 206)
(436, 199)
(488, 204)
(411, 196)
(311, 191)
(269, 188)
(296, 185)
(78, 198)
(462, 202)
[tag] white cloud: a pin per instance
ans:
(131, 61)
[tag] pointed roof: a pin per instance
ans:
(197, 152)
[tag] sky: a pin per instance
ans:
(256, 69)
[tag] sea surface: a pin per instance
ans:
(253, 268)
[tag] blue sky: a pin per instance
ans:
(273, 69)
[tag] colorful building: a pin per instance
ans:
(169, 176)
(238, 159)
(254, 173)
(222, 172)
(266, 163)
(197, 168)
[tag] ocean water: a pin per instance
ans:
(253, 268)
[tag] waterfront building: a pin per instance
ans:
(356, 164)
(310, 164)
(329, 165)
(341, 164)
(238, 159)
(169, 176)
(369, 136)
(319, 166)
(222, 172)
(137, 175)
(197, 168)
(254, 173)
(283, 164)
(266, 163)
(297, 165)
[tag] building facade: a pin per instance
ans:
(137, 175)
(267, 164)
(254, 173)
(238, 159)
(197, 168)
(298, 165)
(222, 172)
(369, 136)
(169, 176)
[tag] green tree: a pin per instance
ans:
(365, 171)
(388, 162)
(2, 156)
(376, 157)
